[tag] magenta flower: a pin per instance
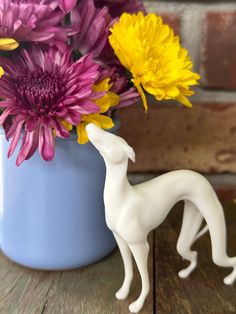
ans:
(66, 5)
(92, 28)
(117, 7)
(91, 20)
(32, 21)
(120, 86)
(44, 91)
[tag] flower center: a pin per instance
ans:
(39, 91)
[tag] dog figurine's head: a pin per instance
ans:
(113, 148)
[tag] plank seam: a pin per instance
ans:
(47, 294)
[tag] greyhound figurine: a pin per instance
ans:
(133, 211)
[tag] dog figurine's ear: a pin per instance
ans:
(128, 149)
(130, 153)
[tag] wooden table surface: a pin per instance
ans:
(91, 290)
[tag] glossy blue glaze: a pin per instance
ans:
(52, 213)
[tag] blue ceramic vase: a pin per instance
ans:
(52, 213)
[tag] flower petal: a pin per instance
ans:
(46, 143)
(82, 134)
(4, 115)
(15, 139)
(1, 71)
(25, 148)
(100, 120)
(66, 5)
(7, 44)
(34, 144)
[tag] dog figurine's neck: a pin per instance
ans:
(115, 152)
(116, 177)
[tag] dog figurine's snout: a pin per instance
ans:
(95, 135)
(92, 131)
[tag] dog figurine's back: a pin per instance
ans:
(133, 211)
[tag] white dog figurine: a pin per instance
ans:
(133, 211)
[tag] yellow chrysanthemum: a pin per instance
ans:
(100, 120)
(8, 44)
(153, 55)
(110, 99)
(1, 71)
(105, 102)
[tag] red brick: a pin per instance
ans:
(227, 193)
(172, 137)
(173, 21)
(219, 50)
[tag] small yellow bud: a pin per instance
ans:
(1, 71)
(8, 44)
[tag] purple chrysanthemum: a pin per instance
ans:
(117, 7)
(66, 5)
(120, 86)
(42, 91)
(92, 28)
(91, 20)
(32, 21)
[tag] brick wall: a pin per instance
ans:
(204, 138)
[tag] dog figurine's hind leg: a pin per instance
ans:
(192, 220)
(133, 211)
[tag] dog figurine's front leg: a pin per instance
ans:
(140, 252)
(126, 255)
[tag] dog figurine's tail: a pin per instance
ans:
(201, 232)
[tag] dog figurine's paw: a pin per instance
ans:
(184, 273)
(230, 279)
(122, 293)
(136, 306)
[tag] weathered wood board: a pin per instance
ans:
(91, 290)
(203, 292)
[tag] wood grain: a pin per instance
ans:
(23, 290)
(91, 290)
(204, 291)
